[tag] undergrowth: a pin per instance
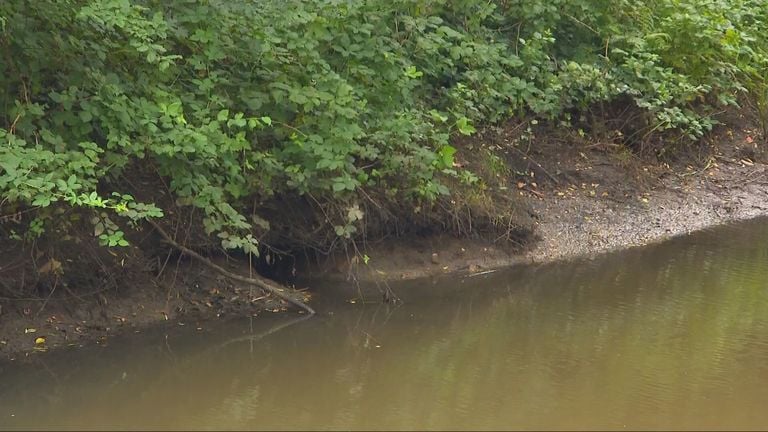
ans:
(346, 110)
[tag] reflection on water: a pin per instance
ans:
(671, 336)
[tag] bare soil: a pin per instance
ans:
(188, 294)
(593, 198)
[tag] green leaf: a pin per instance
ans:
(438, 117)
(85, 116)
(9, 162)
(411, 72)
(339, 186)
(446, 155)
(42, 201)
(464, 126)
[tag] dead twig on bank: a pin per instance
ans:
(528, 157)
(257, 280)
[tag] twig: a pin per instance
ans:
(482, 273)
(710, 161)
(583, 23)
(527, 156)
(259, 281)
(535, 192)
(752, 178)
(53, 290)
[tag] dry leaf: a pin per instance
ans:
(52, 266)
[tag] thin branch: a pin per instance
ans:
(259, 281)
(528, 157)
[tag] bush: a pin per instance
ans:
(236, 102)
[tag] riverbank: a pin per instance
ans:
(365, 134)
(606, 201)
(584, 198)
(188, 294)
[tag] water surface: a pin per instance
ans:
(670, 336)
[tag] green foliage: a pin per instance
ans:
(235, 102)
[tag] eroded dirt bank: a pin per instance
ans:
(189, 295)
(605, 201)
(584, 199)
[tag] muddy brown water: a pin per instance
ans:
(671, 336)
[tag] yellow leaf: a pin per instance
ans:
(40, 340)
(52, 266)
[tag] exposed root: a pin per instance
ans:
(258, 281)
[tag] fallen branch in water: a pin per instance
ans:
(258, 281)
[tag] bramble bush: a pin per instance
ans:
(240, 101)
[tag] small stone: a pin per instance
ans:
(435, 259)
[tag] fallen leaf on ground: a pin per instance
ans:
(51, 266)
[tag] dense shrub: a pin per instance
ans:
(238, 101)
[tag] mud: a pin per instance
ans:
(605, 201)
(187, 295)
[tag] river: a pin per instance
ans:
(669, 336)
